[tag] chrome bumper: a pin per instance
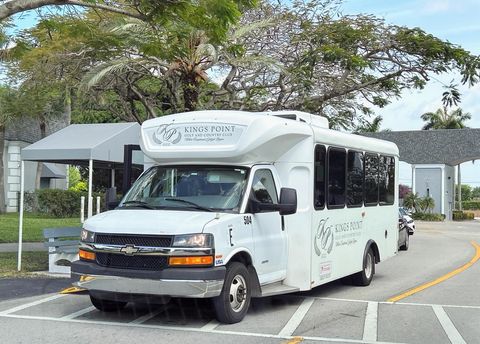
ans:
(174, 288)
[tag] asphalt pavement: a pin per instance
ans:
(446, 312)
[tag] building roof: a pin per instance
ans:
(78, 143)
(49, 170)
(442, 146)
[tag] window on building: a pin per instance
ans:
(336, 177)
(371, 179)
(319, 182)
(355, 180)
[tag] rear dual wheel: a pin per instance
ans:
(364, 277)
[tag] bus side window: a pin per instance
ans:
(355, 176)
(371, 179)
(337, 168)
(391, 180)
(319, 182)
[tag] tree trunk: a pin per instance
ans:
(190, 93)
(43, 134)
(2, 177)
(68, 105)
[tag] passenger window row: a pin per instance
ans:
(352, 178)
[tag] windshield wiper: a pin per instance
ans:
(192, 204)
(140, 204)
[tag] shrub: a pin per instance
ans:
(59, 203)
(428, 216)
(459, 215)
(471, 205)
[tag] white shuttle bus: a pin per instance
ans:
(240, 205)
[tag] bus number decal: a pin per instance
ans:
(247, 220)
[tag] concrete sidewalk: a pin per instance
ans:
(27, 246)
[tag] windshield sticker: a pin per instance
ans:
(197, 134)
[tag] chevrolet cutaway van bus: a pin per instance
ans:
(240, 205)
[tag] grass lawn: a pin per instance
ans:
(31, 261)
(32, 226)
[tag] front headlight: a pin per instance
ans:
(193, 240)
(87, 236)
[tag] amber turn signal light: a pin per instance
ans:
(86, 255)
(197, 260)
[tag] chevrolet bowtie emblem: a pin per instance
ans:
(129, 250)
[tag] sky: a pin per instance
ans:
(454, 21)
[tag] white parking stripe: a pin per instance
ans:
(31, 304)
(79, 313)
(296, 318)
(371, 321)
(210, 326)
(186, 329)
(448, 326)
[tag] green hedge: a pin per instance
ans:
(428, 216)
(471, 205)
(462, 215)
(59, 203)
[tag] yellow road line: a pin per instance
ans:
(295, 340)
(440, 279)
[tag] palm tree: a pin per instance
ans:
(443, 119)
(411, 200)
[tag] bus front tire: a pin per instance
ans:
(364, 277)
(232, 304)
(107, 305)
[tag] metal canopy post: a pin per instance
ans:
(459, 189)
(90, 182)
(20, 219)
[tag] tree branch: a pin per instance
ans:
(12, 7)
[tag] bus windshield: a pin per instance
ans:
(203, 188)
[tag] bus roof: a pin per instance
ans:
(240, 137)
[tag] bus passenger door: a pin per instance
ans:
(270, 240)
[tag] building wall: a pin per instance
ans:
(436, 181)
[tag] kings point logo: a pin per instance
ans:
(323, 241)
(167, 135)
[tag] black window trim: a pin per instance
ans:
(394, 179)
(328, 178)
(369, 204)
(324, 175)
(363, 184)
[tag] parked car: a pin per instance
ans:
(409, 222)
(403, 234)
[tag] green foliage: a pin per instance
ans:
(476, 193)
(426, 204)
(60, 203)
(80, 186)
(428, 216)
(459, 215)
(471, 205)
(419, 204)
(411, 200)
(73, 176)
(466, 192)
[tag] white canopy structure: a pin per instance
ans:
(92, 145)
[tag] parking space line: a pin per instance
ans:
(150, 315)
(79, 313)
(455, 272)
(450, 330)
(337, 299)
(371, 321)
(210, 326)
(297, 317)
(31, 304)
(184, 329)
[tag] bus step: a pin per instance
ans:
(277, 289)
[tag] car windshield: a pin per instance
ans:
(202, 188)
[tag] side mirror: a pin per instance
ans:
(112, 205)
(288, 201)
